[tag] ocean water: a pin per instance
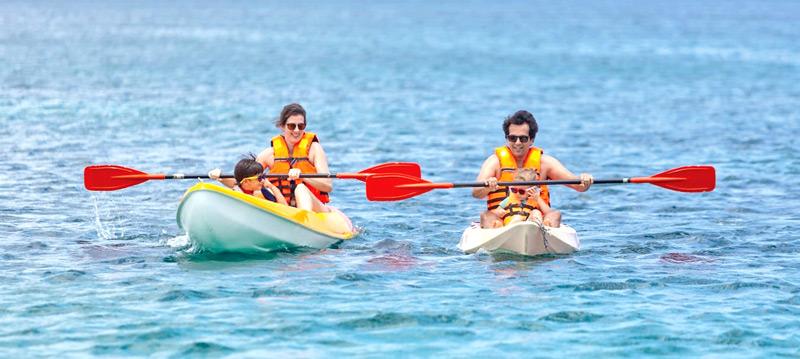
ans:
(619, 88)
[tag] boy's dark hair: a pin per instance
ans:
(289, 111)
(247, 167)
(521, 117)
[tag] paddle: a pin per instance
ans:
(113, 177)
(396, 187)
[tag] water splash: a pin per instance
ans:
(105, 222)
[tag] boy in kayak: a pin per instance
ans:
(248, 180)
(524, 204)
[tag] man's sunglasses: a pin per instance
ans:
(514, 138)
(292, 126)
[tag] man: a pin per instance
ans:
(520, 130)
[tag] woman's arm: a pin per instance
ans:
(317, 157)
(266, 158)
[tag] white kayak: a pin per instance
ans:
(523, 238)
(218, 219)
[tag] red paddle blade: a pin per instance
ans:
(112, 177)
(683, 179)
(387, 187)
(405, 168)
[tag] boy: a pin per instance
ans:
(248, 180)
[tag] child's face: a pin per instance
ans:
(521, 192)
(250, 183)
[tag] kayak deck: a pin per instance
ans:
(218, 219)
(523, 238)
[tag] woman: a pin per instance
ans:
(293, 152)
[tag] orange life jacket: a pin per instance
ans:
(283, 162)
(517, 208)
(508, 166)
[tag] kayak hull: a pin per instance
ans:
(218, 219)
(522, 238)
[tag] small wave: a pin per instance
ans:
(184, 295)
(594, 286)
(394, 261)
(687, 280)
(126, 260)
(391, 319)
(62, 277)
(795, 300)
(735, 337)
(392, 244)
(206, 348)
(274, 292)
(742, 285)
(356, 277)
(679, 258)
(636, 249)
(572, 317)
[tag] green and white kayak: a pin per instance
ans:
(218, 219)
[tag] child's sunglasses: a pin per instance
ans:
(518, 190)
(256, 177)
(292, 126)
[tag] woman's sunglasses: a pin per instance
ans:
(514, 138)
(292, 126)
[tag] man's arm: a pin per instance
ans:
(487, 175)
(554, 170)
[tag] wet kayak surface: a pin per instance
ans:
(618, 91)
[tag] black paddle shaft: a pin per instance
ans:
(539, 183)
(272, 175)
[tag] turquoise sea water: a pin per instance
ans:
(618, 88)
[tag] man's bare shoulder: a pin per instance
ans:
(549, 161)
(489, 168)
(491, 161)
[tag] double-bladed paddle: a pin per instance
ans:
(397, 187)
(114, 177)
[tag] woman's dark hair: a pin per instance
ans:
(289, 111)
(522, 117)
(247, 167)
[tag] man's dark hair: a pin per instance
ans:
(289, 111)
(247, 167)
(521, 117)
